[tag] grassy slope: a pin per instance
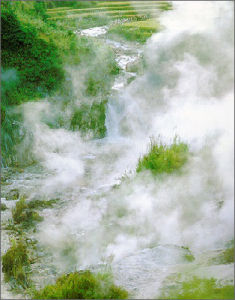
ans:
(35, 51)
(33, 56)
(82, 285)
(199, 288)
(36, 47)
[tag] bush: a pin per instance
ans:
(82, 285)
(199, 288)
(16, 263)
(164, 159)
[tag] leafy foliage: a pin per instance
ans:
(82, 285)
(199, 288)
(164, 159)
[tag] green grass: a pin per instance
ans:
(199, 288)
(13, 194)
(90, 119)
(110, 9)
(3, 207)
(188, 255)
(16, 264)
(57, 5)
(24, 216)
(116, 13)
(35, 51)
(163, 158)
(36, 60)
(138, 31)
(225, 257)
(41, 204)
(82, 285)
(98, 77)
(32, 65)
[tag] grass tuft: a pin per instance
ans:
(39, 204)
(164, 159)
(22, 214)
(82, 285)
(90, 118)
(16, 264)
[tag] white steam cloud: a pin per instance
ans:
(186, 90)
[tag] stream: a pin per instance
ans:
(109, 218)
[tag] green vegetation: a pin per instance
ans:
(35, 52)
(188, 255)
(164, 159)
(35, 58)
(82, 285)
(39, 45)
(199, 288)
(16, 264)
(13, 195)
(24, 216)
(40, 204)
(3, 207)
(224, 257)
(90, 118)
(99, 61)
(135, 31)
(64, 5)
(107, 9)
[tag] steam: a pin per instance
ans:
(186, 90)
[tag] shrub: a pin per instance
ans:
(199, 288)
(164, 159)
(82, 285)
(16, 263)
